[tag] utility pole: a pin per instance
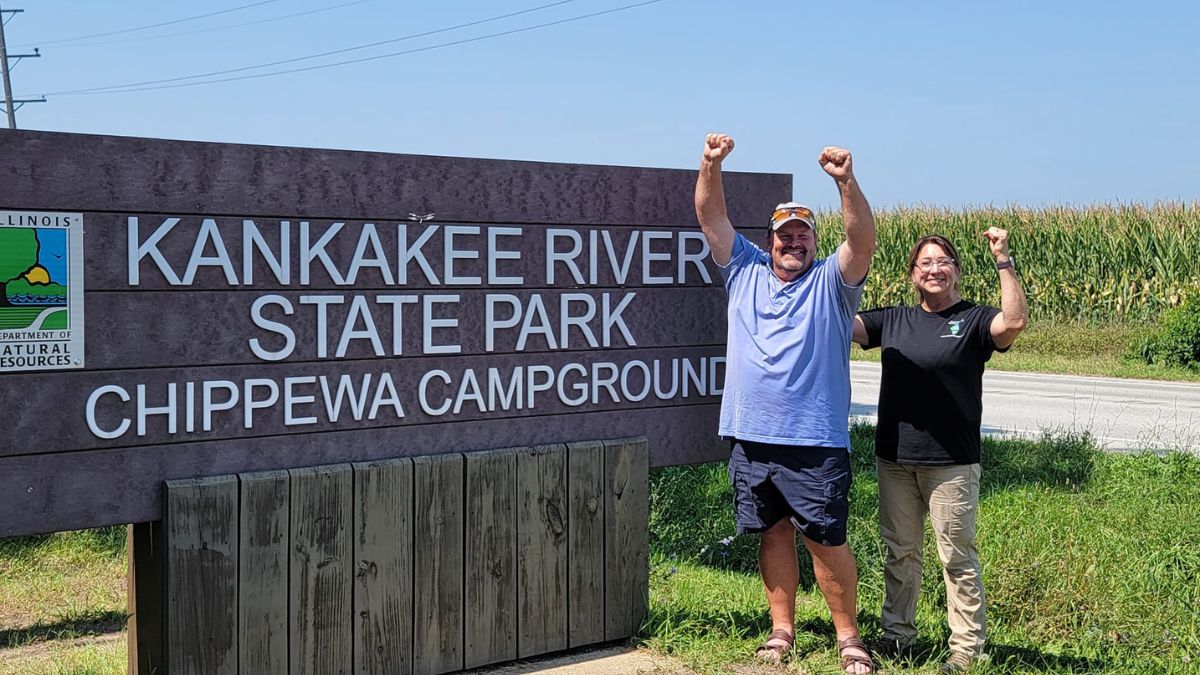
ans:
(10, 105)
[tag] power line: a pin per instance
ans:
(225, 27)
(370, 58)
(12, 105)
(131, 85)
(156, 25)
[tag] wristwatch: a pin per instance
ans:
(1007, 264)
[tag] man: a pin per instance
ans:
(787, 391)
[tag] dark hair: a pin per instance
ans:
(938, 239)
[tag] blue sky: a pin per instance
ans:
(942, 103)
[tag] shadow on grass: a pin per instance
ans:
(817, 633)
(739, 623)
(1003, 659)
(87, 623)
(1056, 460)
(1022, 659)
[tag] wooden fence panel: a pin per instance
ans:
(264, 530)
(438, 563)
(321, 527)
(427, 565)
(542, 555)
(383, 546)
(626, 536)
(202, 568)
(490, 621)
(585, 546)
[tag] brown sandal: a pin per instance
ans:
(849, 660)
(776, 653)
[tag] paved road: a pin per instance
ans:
(1120, 414)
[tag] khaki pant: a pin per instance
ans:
(950, 495)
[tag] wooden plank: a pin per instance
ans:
(84, 172)
(585, 543)
(542, 550)
(146, 637)
(490, 574)
(438, 563)
(669, 245)
(626, 536)
(94, 488)
(263, 572)
(320, 570)
(113, 412)
(383, 600)
(202, 567)
(116, 319)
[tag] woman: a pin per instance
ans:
(927, 437)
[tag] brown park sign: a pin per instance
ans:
(193, 309)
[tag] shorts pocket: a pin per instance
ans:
(836, 509)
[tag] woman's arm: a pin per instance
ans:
(1014, 312)
(860, 331)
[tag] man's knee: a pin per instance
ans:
(831, 555)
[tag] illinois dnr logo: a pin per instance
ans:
(954, 329)
(41, 290)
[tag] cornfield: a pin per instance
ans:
(1101, 264)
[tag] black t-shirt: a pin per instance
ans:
(931, 393)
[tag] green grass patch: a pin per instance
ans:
(105, 655)
(1090, 563)
(61, 586)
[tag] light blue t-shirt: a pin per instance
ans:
(787, 377)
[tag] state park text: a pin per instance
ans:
(367, 293)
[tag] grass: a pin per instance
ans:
(1074, 348)
(62, 603)
(1090, 563)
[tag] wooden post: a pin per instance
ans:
(320, 570)
(383, 581)
(146, 552)
(585, 556)
(438, 563)
(542, 522)
(263, 573)
(626, 536)
(490, 574)
(202, 573)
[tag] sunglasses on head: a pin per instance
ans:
(781, 215)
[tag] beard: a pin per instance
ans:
(792, 261)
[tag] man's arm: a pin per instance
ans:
(1014, 311)
(854, 258)
(710, 198)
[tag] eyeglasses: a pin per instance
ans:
(781, 215)
(927, 264)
